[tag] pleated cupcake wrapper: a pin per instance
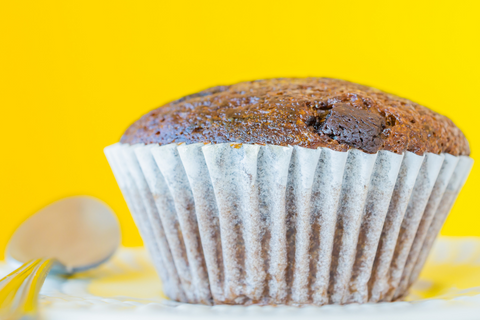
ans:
(253, 224)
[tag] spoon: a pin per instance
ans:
(71, 235)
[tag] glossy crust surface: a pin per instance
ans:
(309, 112)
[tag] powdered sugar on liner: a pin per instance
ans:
(253, 224)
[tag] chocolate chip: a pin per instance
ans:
(359, 128)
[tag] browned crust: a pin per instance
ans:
(310, 112)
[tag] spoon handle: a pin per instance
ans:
(19, 290)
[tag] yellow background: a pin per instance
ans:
(75, 74)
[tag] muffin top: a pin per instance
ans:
(310, 112)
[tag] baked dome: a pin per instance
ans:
(309, 112)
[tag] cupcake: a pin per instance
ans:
(290, 191)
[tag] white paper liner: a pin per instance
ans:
(251, 224)
(446, 171)
(378, 280)
(131, 193)
(455, 184)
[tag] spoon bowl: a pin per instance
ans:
(79, 233)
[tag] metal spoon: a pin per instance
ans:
(70, 235)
